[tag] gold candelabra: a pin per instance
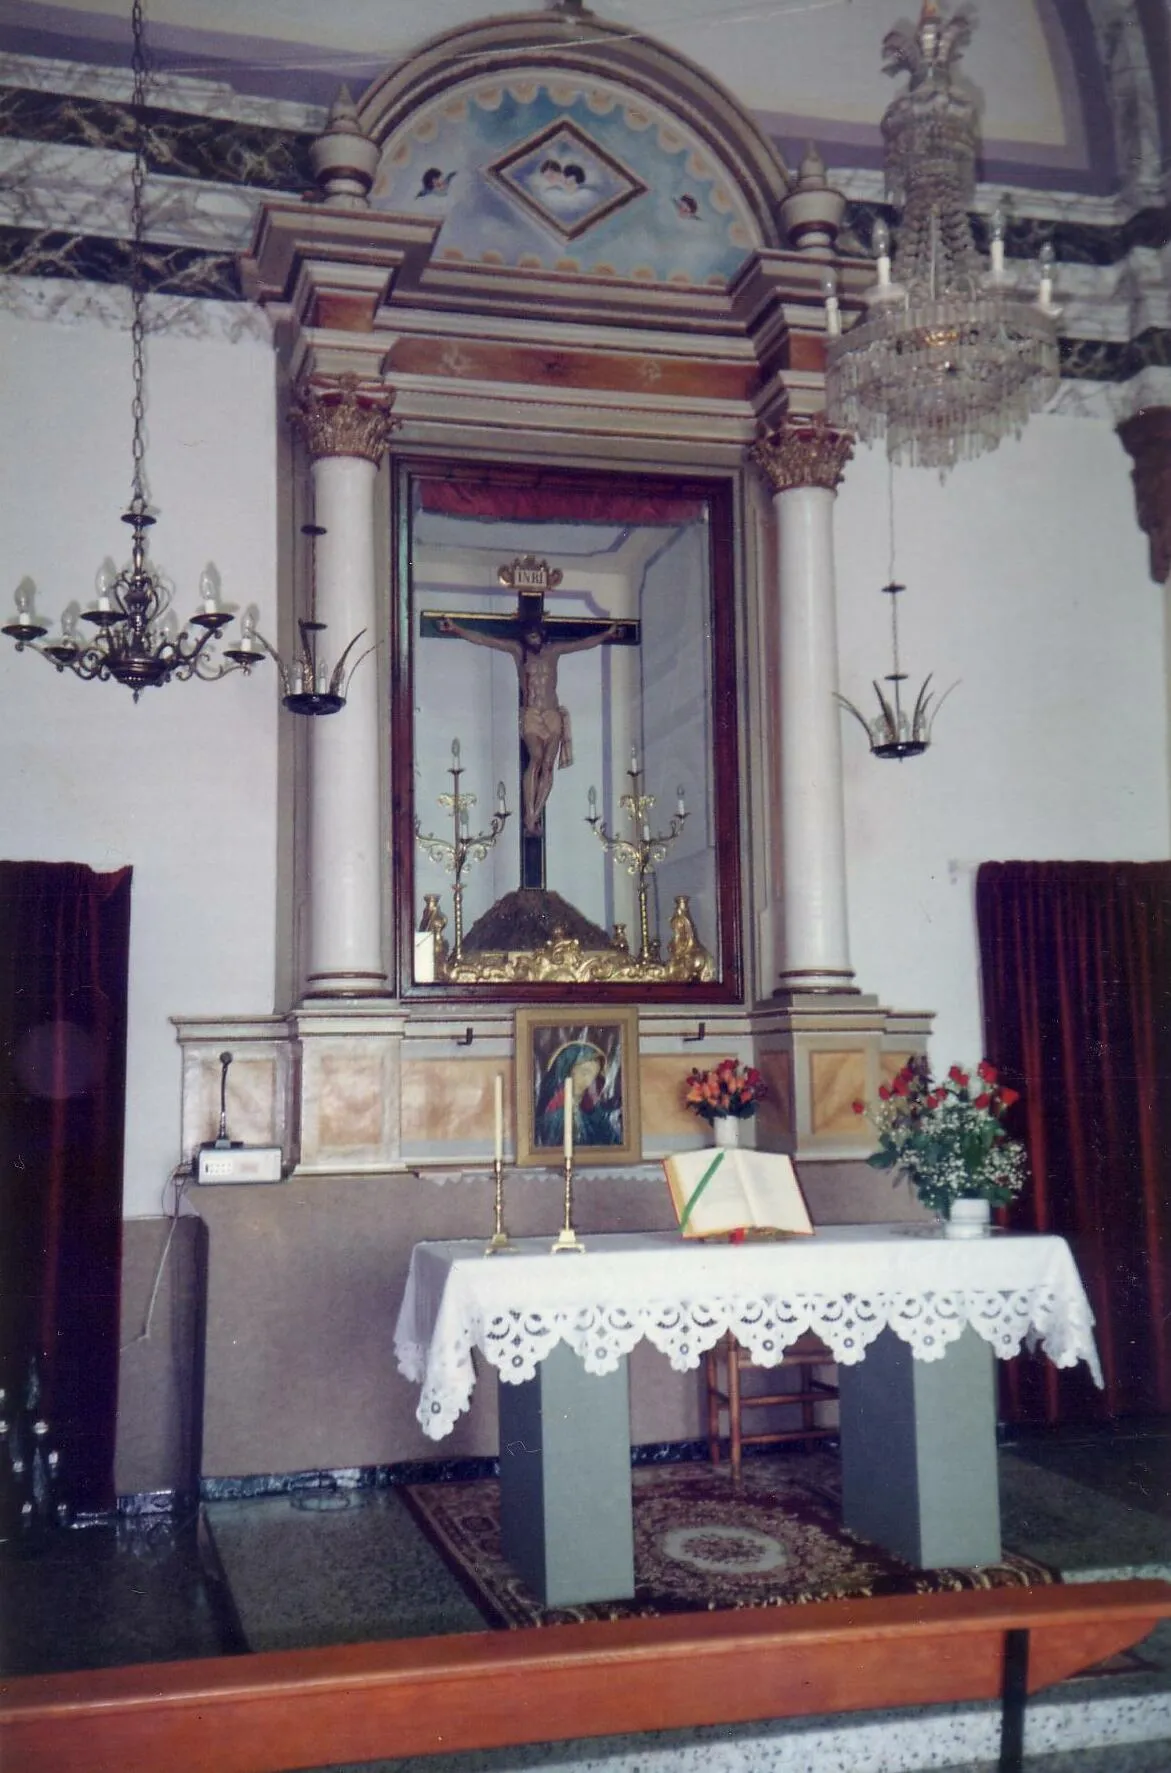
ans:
(464, 847)
(640, 854)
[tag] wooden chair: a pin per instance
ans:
(725, 1393)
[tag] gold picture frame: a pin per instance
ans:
(557, 1045)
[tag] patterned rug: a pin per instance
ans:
(700, 1545)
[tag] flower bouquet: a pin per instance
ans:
(728, 1089)
(948, 1138)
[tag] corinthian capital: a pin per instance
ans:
(335, 420)
(802, 452)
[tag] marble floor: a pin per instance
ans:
(333, 1566)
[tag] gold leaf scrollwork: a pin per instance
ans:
(334, 419)
(802, 452)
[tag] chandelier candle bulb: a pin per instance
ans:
(833, 313)
(633, 761)
(592, 798)
(207, 591)
(680, 805)
(1045, 261)
(500, 802)
(455, 752)
(996, 242)
(881, 239)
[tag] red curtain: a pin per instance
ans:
(64, 951)
(1076, 972)
(501, 502)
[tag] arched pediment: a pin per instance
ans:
(558, 142)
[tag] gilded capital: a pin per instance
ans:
(802, 452)
(335, 420)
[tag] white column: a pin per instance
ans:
(803, 461)
(346, 436)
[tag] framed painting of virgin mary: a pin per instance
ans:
(582, 1062)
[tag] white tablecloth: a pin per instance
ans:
(847, 1283)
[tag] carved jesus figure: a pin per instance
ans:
(544, 723)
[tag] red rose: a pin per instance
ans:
(982, 1100)
(859, 1107)
(986, 1071)
(1008, 1097)
(900, 1085)
(958, 1077)
(884, 1092)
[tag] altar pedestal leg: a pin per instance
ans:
(919, 1473)
(565, 1506)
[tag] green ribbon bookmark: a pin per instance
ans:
(717, 1160)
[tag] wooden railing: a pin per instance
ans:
(271, 1712)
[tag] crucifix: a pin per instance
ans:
(535, 642)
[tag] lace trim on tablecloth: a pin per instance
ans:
(516, 1341)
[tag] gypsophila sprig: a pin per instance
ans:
(948, 1138)
(727, 1089)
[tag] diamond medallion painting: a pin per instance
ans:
(565, 179)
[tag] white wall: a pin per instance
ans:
(182, 785)
(1027, 579)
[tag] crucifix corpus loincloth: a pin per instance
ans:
(536, 642)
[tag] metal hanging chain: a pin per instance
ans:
(137, 266)
(894, 620)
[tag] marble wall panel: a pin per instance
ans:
(775, 1115)
(255, 1098)
(890, 1064)
(349, 1109)
(350, 1104)
(837, 1079)
(452, 1101)
(664, 1114)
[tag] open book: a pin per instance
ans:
(718, 1191)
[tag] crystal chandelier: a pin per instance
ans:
(948, 359)
(136, 639)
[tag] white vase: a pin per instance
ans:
(968, 1218)
(726, 1129)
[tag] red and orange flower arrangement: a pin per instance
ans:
(948, 1138)
(727, 1089)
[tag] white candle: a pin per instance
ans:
(996, 242)
(499, 1093)
(567, 1117)
(500, 797)
(633, 761)
(681, 805)
(833, 313)
(881, 240)
(455, 751)
(593, 802)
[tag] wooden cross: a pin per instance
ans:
(530, 579)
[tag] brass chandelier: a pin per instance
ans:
(948, 359)
(135, 638)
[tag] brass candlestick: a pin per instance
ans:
(567, 1238)
(499, 1245)
(640, 853)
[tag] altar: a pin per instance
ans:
(913, 1321)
